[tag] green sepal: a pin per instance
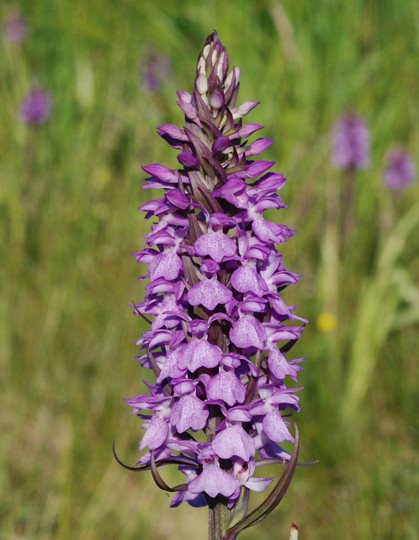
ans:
(159, 480)
(239, 510)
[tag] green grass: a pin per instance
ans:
(68, 223)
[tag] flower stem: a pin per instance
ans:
(347, 208)
(218, 520)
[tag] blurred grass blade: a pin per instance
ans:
(379, 300)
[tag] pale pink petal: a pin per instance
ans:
(199, 353)
(156, 434)
(189, 412)
(167, 265)
(248, 332)
(226, 386)
(214, 481)
(275, 428)
(209, 293)
(215, 244)
(234, 441)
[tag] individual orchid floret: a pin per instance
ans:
(199, 353)
(243, 472)
(209, 292)
(227, 386)
(233, 440)
(247, 332)
(219, 326)
(213, 480)
(216, 245)
(156, 433)
(189, 412)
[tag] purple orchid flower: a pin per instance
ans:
(220, 328)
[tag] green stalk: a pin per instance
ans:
(218, 520)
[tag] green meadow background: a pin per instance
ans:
(69, 192)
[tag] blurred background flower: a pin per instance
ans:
(351, 143)
(399, 169)
(15, 28)
(36, 106)
(326, 322)
(156, 69)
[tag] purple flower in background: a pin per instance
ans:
(154, 71)
(219, 327)
(36, 107)
(399, 169)
(15, 28)
(350, 143)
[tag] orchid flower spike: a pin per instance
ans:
(220, 403)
